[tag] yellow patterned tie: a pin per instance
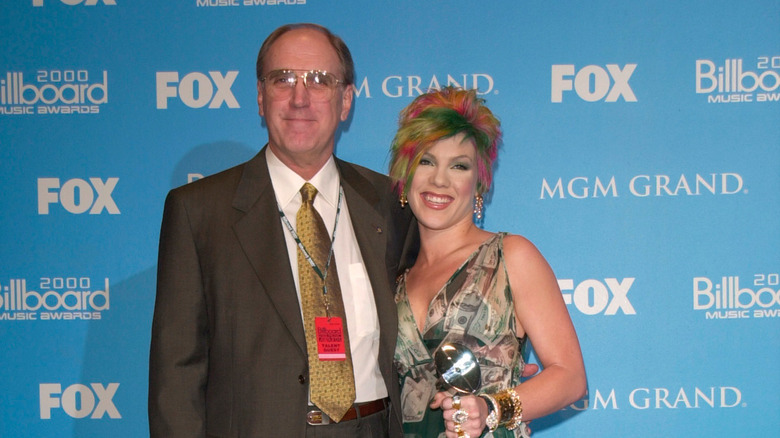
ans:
(331, 382)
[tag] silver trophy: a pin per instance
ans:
(457, 368)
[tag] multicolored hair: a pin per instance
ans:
(438, 115)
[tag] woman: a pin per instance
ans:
(486, 291)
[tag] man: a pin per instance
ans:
(229, 351)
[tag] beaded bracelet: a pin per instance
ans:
(492, 419)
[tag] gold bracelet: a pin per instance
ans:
(517, 414)
(506, 407)
(509, 408)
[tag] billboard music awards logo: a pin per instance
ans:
(732, 297)
(413, 85)
(53, 92)
(218, 3)
(598, 297)
(53, 298)
(709, 397)
(643, 186)
(592, 83)
(738, 80)
(40, 3)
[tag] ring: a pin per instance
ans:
(460, 416)
(456, 401)
(460, 432)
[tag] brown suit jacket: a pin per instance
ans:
(228, 351)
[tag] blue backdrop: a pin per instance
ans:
(641, 155)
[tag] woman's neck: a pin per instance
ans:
(438, 245)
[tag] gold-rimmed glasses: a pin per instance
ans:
(320, 84)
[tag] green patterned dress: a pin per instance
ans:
(475, 309)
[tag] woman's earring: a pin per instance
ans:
(402, 199)
(478, 207)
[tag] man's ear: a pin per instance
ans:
(346, 101)
(260, 99)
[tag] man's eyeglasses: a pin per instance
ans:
(320, 84)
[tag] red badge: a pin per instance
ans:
(330, 338)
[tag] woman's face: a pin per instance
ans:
(444, 185)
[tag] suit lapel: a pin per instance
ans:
(261, 236)
(371, 232)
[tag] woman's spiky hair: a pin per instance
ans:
(438, 115)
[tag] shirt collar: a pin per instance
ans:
(287, 184)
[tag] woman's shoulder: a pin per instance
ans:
(519, 248)
(516, 242)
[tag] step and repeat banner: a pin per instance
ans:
(641, 155)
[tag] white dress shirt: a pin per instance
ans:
(356, 292)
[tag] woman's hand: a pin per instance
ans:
(473, 421)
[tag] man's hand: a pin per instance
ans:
(530, 369)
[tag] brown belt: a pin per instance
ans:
(315, 417)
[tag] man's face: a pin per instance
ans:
(301, 131)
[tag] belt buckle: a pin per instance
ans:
(315, 417)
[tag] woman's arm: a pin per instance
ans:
(542, 315)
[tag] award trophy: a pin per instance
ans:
(457, 368)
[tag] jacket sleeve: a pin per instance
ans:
(178, 359)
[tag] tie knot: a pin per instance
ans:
(308, 192)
